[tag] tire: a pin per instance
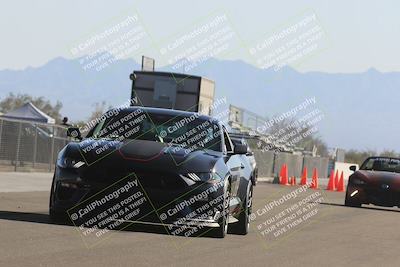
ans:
(55, 217)
(254, 177)
(351, 203)
(222, 230)
(242, 226)
(253, 180)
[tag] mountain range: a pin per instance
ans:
(360, 109)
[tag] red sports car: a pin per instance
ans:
(377, 182)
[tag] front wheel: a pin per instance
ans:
(55, 216)
(351, 203)
(254, 178)
(242, 226)
(222, 230)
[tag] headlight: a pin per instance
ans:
(210, 177)
(358, 181)
(69, 163)
(66, 162)
(69, 185)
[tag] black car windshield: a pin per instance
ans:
(381, 164)
(187, 131)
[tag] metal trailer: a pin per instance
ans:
(172, 90)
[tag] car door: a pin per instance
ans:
(244, 158)
(233, 162)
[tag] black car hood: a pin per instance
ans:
(141, 155)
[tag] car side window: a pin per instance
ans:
(228, 142)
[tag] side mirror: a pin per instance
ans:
(240, 149)
(74, 133)
(250, 153)
(353, 168)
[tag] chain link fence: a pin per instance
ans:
(271, 155)
(28, 145)
(244, 119)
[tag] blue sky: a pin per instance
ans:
(363, 34)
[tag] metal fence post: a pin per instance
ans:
(273, 165)
(35, 148)
(1, 130)
(18, 146)
(52, 149)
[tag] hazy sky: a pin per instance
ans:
(363, 34)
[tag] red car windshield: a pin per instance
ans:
(381, 164)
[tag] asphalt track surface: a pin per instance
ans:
(334, 235)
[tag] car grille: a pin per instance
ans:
(160, 180)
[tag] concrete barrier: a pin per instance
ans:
(321, 164)
(265, 162)
(269, 164)
(294, 163)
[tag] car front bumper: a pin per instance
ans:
(376, 195)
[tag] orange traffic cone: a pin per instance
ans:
(336, 178)
(331, 183)
(284, 175)
(303, 180)
(314, 183)
(340, 187)
(293, 181)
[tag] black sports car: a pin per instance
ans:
(153, 166)
(377, 182)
